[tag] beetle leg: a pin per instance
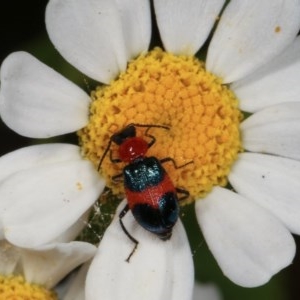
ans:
(136, 242)
(117, 178)
(185, 194)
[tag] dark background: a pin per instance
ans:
(22, 27)
(20, 23)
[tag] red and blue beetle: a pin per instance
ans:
(151, 195)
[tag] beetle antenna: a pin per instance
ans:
(150, 126)
(103, 155)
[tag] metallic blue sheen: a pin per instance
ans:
(143, 173)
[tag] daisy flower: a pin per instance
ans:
(251, 68)
(33, 273)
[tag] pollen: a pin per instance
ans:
(16, 288)
(160, 88)
(79, 186)
(277, 29)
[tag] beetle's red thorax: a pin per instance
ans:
(132, 148)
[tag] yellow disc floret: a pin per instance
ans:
(16, 288)
(159, 88)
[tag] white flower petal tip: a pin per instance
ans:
(31, 157)
(156, 270)
(274, 130)
(99, 37)
(206, 291)
(75, 229)
(250, 34)
(76, 289)
(272, 182)
(261, 89)
(41, 203)
(36, 101)
(249, 244)
(47, 265)
(184, 25)
(37, 155)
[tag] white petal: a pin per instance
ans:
(184, 25)
(9, 258)
(276, 82)
(182, 283)
(77, 286)
(272, 182)
(41, 203)
(72, 233)
(37, 155)
(206, 291)
(249, 244)
(136, 25)
(157, 270)
(47, 265)
(91, 34)
(274, 130)
(251, 33)
(30, 157)
(38, 102)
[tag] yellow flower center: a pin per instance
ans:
(159, 88)
(16, 288)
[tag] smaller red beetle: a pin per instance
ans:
(151, 195)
